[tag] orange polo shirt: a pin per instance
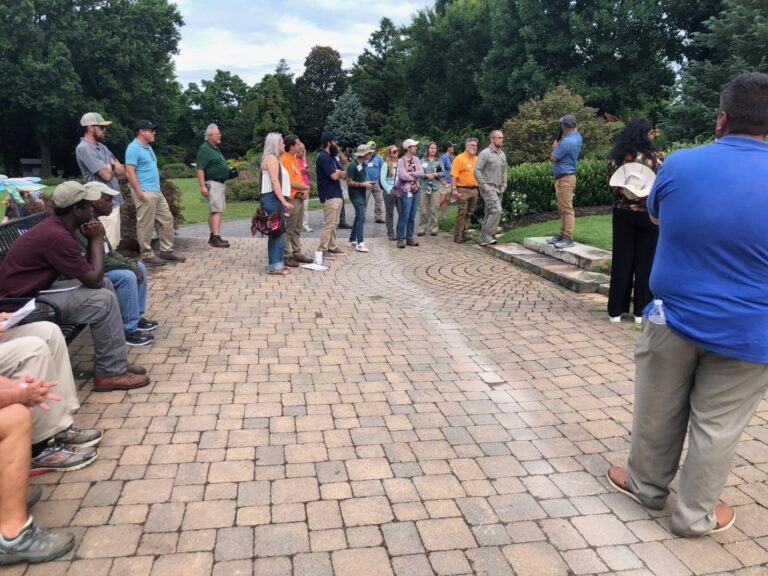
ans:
(291, 164)
(463, 171)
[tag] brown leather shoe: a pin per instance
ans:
(125, 381)
(136, 369)
(291, 263)
(303, 259)
(154, 262)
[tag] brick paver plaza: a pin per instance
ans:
(423, 411)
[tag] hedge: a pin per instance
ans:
(530, 188)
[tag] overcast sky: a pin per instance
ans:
(248, 38)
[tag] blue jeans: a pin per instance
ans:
(275, 246)
(358, 198)
(131, 296)
(406, 219)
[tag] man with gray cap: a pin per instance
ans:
(151, 205)
(49, 250)
(372, 175)
(98, 164)
(565, 154)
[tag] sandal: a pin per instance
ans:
(725, 518)
(280, 272)
(617, 476)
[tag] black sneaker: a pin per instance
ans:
(147, 325)
(138, 338)
(35, 544)
(218, 242)
(555, 239)
(171, 257)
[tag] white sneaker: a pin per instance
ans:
(614, 319)
(638, 319)
(307, 229)
(353, 244)
(361, 247)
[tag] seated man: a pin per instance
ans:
(21, 540)
(38, 350)
(128, 277)
(50, 250)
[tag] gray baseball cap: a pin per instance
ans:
(568, 121)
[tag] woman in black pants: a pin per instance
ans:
(634, 235)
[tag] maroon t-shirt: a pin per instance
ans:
(38, 257)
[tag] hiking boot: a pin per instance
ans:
(138, 338)
(411, 242)
(126, 381)
(565, 242)
(303, 259)
(62, 458)
(218, 242)
(401, 243)
(153, 262)
(147, 325)
(35, 544)
(555, 239)
(78, 438)
(171, 257)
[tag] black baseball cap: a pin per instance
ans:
(327, 137)
(144, 125)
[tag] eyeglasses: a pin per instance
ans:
(392, 152)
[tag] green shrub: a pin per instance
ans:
(178, 170)
(530, 188)
(242, 190)
(128, 212)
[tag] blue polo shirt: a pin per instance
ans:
(327, 187)
(373, 169)
(711, 265)
(567, 154)
(143, 158)
(446, 159)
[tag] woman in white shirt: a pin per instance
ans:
(275, 195)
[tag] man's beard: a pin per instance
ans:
(99, 136)
(333, 150)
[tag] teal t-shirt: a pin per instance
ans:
(143, 158)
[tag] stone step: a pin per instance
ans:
(555, 270)
(581, 255)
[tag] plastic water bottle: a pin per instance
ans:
(656, 314)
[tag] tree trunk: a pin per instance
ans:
(45, 151)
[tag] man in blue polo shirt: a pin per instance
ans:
(708, 365)
(372, 174)
(565, 154)
(151, 206)
(329, 175)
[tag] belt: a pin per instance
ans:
(469, 187)
(563, 175)
(214, 180)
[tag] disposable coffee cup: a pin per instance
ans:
(319, 258)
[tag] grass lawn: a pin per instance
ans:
(592, 230)
(196, 207)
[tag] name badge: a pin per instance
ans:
(359, 168)
(106, 247)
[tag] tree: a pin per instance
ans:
(269, 109)
(59, 59)
(378, 75)
(285, 80)
(347, 120)
(220, 101)
(396, 127)
(735, 41)
(317, 90)
(528, 136)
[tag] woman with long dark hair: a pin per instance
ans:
(634, 235)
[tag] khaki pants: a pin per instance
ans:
(293, 230)
(39, 349)
(466, 207)
(331, 212)
(428, 209)
(378, 201)
(153, 209)
(111, 225)
(679, 384)
(564, 188)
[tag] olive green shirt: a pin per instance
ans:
(491, 169)
(112, 260)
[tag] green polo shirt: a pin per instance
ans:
(356, 172)
(211, 161)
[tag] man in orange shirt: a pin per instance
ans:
(299, 191)
(464, 187)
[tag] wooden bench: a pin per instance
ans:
(45, 309)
